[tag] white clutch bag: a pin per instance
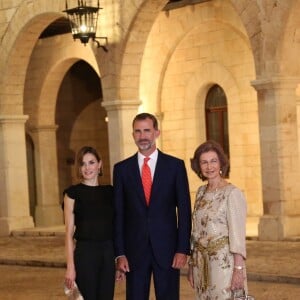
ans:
(74, 293)
(241, 295)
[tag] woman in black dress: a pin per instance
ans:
(88, 212)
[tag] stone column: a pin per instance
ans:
(278, 124)
(14, 199)
(120, 115)
(48, 211)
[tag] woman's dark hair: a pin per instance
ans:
(79, 159)
(144, 116)
(207, 146)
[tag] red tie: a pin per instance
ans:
(146, 179)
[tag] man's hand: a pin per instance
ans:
(122, 264)
(120, 275)
(179, 260)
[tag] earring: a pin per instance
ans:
(221, 172)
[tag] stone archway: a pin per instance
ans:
(122, 102)
(14, 210)
(42, 85)
(209, 40)
(279, 121)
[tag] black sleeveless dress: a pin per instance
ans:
(94, 251)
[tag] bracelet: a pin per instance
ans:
(239, 267)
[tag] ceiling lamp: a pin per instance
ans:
(83, 21)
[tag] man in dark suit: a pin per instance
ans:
(151, 238)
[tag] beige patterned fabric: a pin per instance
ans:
(219, 230)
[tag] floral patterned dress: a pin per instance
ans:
(219, 221)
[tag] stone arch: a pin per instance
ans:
(24, 28)
(134, 45)
(164, 80)
(264, 22)
(163, 47)
(13, 64)
(50, 60)
(36, 16)
(189, 19)
(135, 40)
(287, 54)
(196, 89)
(58, 54)
(288, 57)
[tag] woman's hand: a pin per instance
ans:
(70, 277)
(237, 280)
(190, 276)
(70, 274)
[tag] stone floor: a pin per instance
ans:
(44, 283)
(32, 267)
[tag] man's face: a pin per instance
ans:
(145, 135)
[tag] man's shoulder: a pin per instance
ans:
(169, 157)
(126, 161)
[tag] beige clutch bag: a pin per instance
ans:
(74, 293)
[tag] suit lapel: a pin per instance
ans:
(158, 174)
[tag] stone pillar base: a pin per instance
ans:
(8, 224)
(276, 228)
(51, 215)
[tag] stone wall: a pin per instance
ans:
(163, 62)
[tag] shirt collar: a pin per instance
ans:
(153, 156)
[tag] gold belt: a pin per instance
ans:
(210, 250)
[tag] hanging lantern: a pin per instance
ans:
(83, 21)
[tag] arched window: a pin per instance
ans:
(216, 117)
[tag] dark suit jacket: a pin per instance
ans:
(165, 224)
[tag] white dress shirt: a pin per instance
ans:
(151, 162)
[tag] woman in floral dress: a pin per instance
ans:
(218, 242)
